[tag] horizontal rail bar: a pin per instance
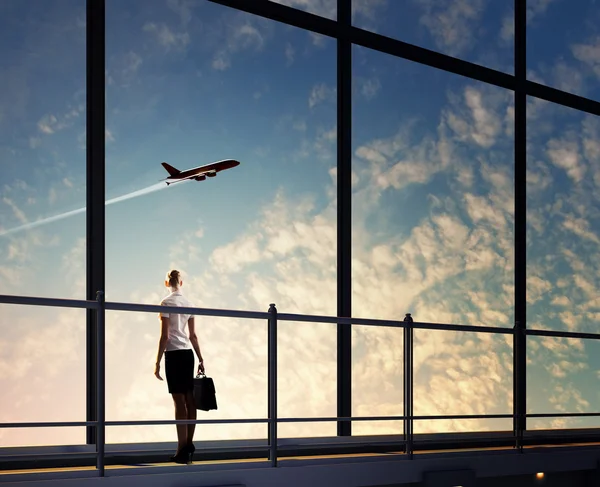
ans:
(563, 334)
(564, 415)
(63, 424)
(151, 422)
(155, 422)
(465, 416)
(154, 308)
(117, 306)
(53, 302)
(259, 315)
(392, 323)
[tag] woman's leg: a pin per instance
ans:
(191, 414)
(181, 413)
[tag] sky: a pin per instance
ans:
(191, 82)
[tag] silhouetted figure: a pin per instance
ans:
(179, 364)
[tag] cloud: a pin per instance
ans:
(51, 124)
(368, 87)
(479, 121)
(289, 54)
(321, 93)
(123, 68)
(589, 54)
(507, 31)
(166, 37)
(17, 212)
(451, 24)
(536, 8)
(183, 8)
(564, 154)
(242, 35)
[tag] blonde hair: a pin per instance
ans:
(174, 278)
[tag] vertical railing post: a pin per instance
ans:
(408, 386)
(100, 382)
(272, 371)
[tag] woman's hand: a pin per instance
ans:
(201, 367)
(157, 372)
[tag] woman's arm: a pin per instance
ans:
(194, 341)
(162, 344)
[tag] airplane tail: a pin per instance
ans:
(170, 169)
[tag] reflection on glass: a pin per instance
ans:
(563, 44)
(560, 375)
(203, 83)
(42, 373)
(474, 30)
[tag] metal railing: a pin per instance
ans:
(273, 317)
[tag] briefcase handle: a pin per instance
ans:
(201, 376)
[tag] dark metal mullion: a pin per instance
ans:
(395, 47)
(95, 173)
(519, 341)
(344, 219)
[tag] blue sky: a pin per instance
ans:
(433, 163)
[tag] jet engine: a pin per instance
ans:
(200, 178)
(211, 174)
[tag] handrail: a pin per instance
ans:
(272, 316)
(260, 315)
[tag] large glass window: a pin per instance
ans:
(42, 215)
(433, 206)
(189, 85)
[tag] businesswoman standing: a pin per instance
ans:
(179, 363)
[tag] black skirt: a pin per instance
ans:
(179, 369)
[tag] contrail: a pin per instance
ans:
(44, 221)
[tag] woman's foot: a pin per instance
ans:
(190, 450)
(181, 456)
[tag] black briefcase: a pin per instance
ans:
(205, 395)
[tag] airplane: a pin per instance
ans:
(198, 173)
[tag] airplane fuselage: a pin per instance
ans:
(199, 173)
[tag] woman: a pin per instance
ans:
(179, 363)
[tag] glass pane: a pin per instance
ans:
(235, 357)
(432, 196)
(432, 213)
(259, 233)
(42, 374)
(377, 378)
(563, 177)
(560, 377)
(474, 30)
(563, 46)
(458, 373)
(42, 152)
